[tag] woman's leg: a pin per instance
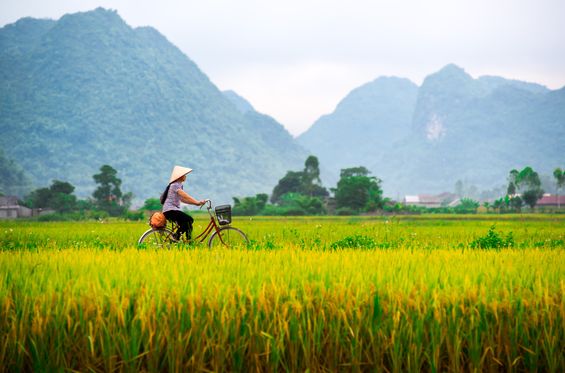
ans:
(183, 220)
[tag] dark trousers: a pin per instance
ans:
(183, 220)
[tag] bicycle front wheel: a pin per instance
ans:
(156, 238)
(228, 237)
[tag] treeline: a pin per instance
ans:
(107, 200)
(302, 193)
(297, 193)
(524, 189)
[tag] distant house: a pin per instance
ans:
(551, 200)
(11, 209)
(429, 200)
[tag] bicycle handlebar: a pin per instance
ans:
(207, 202)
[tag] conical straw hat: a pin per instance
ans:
(179, 172)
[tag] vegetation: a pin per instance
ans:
(152, 204)
(493, 240)
(108, 196)
(127, 91)
(306, 182)
(250, 205)
(58, 197)
(526, 182)
(317, 294)
(108, 200)
(358, 191)
(297, 193)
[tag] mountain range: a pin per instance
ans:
(88, 90)
(452, 127)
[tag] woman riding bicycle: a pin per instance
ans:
(173, 196)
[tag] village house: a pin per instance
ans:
(551, 200)
(429, 200)
(11, 209)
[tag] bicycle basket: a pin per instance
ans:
(223, 213)
(157, 220)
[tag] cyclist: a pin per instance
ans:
(173, 196)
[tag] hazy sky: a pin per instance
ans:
(295, 60)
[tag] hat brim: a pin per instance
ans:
(178, 172)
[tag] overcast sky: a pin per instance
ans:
(296, 59)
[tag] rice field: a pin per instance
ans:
(399, 294)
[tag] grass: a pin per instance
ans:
(318, 294)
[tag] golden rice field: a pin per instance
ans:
(404, 294)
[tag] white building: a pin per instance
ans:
(10, 208)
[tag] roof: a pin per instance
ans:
(551, 199)
(428, 198)
(412, 199)
(442, 199)
(8, 201)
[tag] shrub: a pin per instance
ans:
(354, 242)
(134, 215)
(493, 240)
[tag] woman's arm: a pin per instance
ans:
(186, 198)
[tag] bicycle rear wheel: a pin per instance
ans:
(156, 238)
(230, 237)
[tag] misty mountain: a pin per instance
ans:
(363, 127)
(240, 103)
(454, 128)
(89, 90)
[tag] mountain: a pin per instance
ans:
(365, 125)
(267, 129)
(240, 103)
(454, 128)
(88, 90)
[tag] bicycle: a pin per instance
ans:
(220, 220)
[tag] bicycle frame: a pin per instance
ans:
(212, 226)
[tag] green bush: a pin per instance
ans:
(493, 240)
(134, 215)
(354, 242)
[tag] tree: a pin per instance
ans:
(290, 183)
(306, 182)
(467, 205)
(152, 204)
(108, 195)
(59, 197)
(312, 170)
(250, 205)
(527, 182)
(357, 190)
(516, 203)
(531, 196)
(512, 181)
(559, 175)
(498, 205)
(311, 182)
(300, 204)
